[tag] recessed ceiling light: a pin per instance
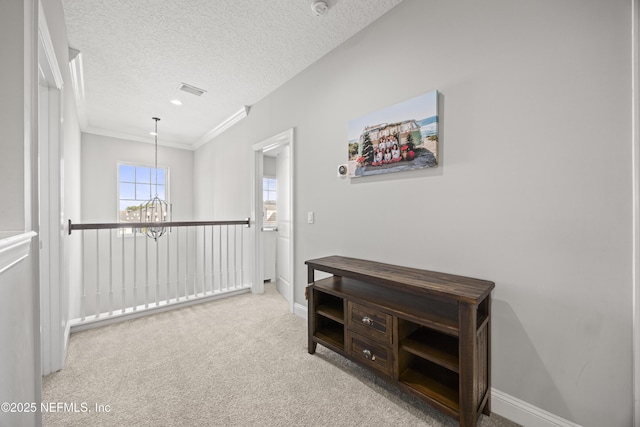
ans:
(152, 133)
(176, 102)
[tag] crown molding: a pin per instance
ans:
(77, 83)
(224, 125)
(138, 138)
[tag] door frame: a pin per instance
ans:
(279, 140)
(53, 296)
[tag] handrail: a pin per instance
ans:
(112, 225)
(122, 277)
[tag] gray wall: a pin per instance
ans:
(533, 192)
(19, 294)
(13, 74)
(19, 381)
(100, 157)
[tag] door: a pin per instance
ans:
(283, 220)
(282, 142)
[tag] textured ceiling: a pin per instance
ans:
(136, 54)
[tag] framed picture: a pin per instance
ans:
(398, 138)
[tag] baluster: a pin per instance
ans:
(157, 274)
(220, 258)
(168, 276)
(135, 269)
(204, 260)
(97, 274)
(242, 257)
(235, 254)
(83, 301)
(123, 275)
(110, 272)
(195, 261)
(212, 259)
(228, 268)
(146, 274)
(186, 277)
(177, 263)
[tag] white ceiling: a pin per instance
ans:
(136, 54)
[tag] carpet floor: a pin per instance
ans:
(240, 361)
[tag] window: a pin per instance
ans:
(136, 185)
(269, 198)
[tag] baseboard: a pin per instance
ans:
(300, 310)
(524, 413)
(91, 322)
(283, 287)
(67, 334)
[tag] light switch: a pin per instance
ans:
(310, 217)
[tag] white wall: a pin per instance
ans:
(533, 191)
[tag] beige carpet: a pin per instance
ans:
(241, 361)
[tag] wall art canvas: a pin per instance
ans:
(398, 138)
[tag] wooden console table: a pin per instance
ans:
(427, 332)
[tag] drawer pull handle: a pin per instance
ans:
(367, 321)
(368, 355)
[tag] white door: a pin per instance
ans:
(43, 221)
(283, 246)
(282, 142)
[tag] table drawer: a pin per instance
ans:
(369, 322)
(370, 353)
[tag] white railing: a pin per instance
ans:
(124, 272)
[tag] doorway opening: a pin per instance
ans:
(273, 231)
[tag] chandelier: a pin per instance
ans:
(156, 210)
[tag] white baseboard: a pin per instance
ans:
(91, 322)
(300, 310)
(283, 287)
(524, 413)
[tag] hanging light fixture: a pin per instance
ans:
(155, 210)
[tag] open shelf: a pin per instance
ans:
(330, 331)
(432, 381)
(432, 312)
(434, 346)
(330, 306)
(333, 313)
(331, 337)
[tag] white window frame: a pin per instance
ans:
(167, 180)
